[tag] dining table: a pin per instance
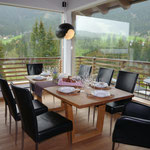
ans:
(80, 99)
(84, 100)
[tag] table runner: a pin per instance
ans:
(39, 86)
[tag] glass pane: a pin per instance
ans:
(27, 36)
(28, 32)
(118, 34)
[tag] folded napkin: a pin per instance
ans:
(100, 84)
(77, 83)
(100, 93)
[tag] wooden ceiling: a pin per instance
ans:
(104, 8)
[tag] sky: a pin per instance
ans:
(98, 25)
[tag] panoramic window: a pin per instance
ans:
(123, 34)
(27, 36)
(28, 32)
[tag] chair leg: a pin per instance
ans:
(76, 110)
(111, 124)
(88, 114)
(70, 140)
(9, 123)
(53, 99)
(22, 144)
(94, 115)
(113, 146)
(36, 146)
(16, 132)
(5, 113)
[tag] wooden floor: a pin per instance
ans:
(101, 142)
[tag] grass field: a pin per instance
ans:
(9, 40)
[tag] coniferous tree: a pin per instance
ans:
(42, 43)
(34, 39)
(1, 50)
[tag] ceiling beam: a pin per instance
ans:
(103, 9)
(125, 4)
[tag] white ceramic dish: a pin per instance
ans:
(39, 78)
(66, 89)
(100, 93)
(45, 74)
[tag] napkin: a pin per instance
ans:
(100, 93)
(100, 84)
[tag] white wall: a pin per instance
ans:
(54, 5)
(80, 4)
(67, 55)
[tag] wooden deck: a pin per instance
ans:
(102, 142)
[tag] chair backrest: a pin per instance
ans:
(126, 81)
(34, 69)
(105, 75)
(28, 117)
(8, 97)
(85, 71)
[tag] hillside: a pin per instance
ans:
(14, 20)
(138, 16)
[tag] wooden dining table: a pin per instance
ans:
(83, 100)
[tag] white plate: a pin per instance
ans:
(66, 89)
(100, 93)
(100, 84)
(39, 78)
(45, 74)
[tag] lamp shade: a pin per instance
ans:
(66, 31)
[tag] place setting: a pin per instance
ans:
(99, 94)
(39, 78)
(100, 85)
(68, 90)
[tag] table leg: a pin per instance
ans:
(99, 127)
(100, 118)
(39, 98)
(69, 115)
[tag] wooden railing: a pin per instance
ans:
(141, 67)
(14, 69)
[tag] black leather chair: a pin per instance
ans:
(13, 109)
(85, 71)
(104, 75)
(41, 127)
(133, 128)
(125, 81)
(34, 69)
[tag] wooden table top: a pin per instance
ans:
(82, 100)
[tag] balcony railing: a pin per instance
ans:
(141, 67)
(14, 69)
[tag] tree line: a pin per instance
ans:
(38, 43)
